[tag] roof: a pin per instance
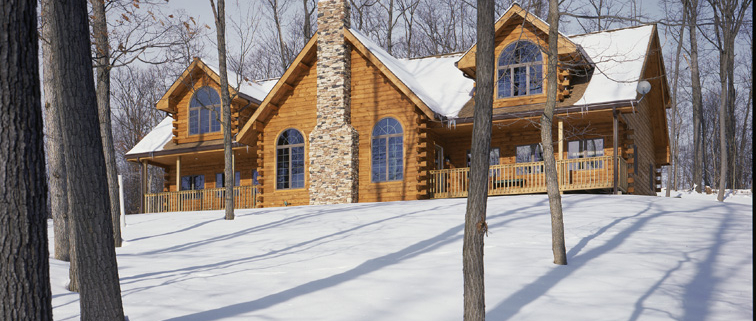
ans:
(435, 80)
(252, 89)
(156, 139)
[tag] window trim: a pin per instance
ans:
(290, 147)
(387, 137)
(511, 68)
(216, 108)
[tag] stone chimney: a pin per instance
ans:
(333, 149)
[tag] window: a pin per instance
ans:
(529, 154)
(387, 151)
(439, 159)
(204, 110)
(220, 179)
(586, 148)
(493, 159)
(520, 70)
(290, 160)
(192, 182)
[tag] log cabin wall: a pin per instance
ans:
(298, 111)
(209, 164)
(640, 123)
(375, 97)
(199, 79)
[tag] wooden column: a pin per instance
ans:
(142, 204)
(561, 140)
(615, 135)
(178, 173)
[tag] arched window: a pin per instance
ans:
(290, 160)
(520, 70)
(202, 119)
(387, 153)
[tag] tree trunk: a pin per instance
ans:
(673, 121)
(54, 148)
(307, 28)
(89, 204)
(475, 217)
(547, 120)
(102, 64)
(220, 27)
(695, 79)
(24, 265)
(723, 150)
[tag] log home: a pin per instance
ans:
(348, 122)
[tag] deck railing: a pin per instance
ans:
(524, 178)
(199, 200)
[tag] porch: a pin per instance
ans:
(592, 173)
(199, 200)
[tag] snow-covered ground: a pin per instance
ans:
(630, 258)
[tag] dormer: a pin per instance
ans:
(521, 45)
(194, 102)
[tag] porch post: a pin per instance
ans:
(178, 173)
(615, 162)
(142, 204)
(561, 140)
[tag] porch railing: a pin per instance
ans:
(199, 200)
(525, 178)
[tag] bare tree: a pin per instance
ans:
(673, 121)
(54, 148)
(547, 120)
(475, 217)
(89, 204)
(698, 148)
(24, 268)
(219, 13)
(308, 8)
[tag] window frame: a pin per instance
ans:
(192, 179)
(583, 153)
(502, 69)
(199, 110)
(387, 139)
(290, 167)
(535, 150)
(220, 179)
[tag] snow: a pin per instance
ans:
(630, 258)
(740, 196)
(156, 139)
(618, 56)
(436, 81)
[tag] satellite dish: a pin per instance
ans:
(643, 87)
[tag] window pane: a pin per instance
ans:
(505, 83)
(379, 159)
(523, 154)
(599, 147)
(205, 96)
(538, 157)
(536, 80)
(193, 122)
(573, 149)
(282, 171)
(297, 167)
(519, 86)
(395, 152)
(237, 179)
(204, 125)
(219, 180)
(199, 182)
(186, 183)
(493, 156)
(214, 123)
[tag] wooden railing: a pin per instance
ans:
(525, 178)
(199, 200)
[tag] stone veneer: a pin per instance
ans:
(333, 150)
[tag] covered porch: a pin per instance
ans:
(594, 173)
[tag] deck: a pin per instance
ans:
(526, 178)
(199, 200)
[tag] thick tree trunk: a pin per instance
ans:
(102, 64)
(547, 120)
(475, 217)
(56, 178)
(220, 27)
(673, 120)
(89, 204)
(24, 266)
(695, 79)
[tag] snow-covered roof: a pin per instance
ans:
(618, 56)
(246, 87)
(435, 80)
(156, 139)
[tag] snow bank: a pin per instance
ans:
(630, 258)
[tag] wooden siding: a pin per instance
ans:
(373, 98)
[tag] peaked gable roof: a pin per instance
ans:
(516, 13)
(248, 90)
(433, 84)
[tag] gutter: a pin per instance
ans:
(560, 110)
(152, 154)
